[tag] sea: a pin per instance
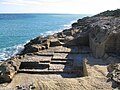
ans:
(18, 29)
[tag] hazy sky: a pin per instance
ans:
(58, 6)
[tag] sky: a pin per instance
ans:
(58, 6)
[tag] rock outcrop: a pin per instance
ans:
(36, 44)
(100, 32)
(114, 73)
(8, 69)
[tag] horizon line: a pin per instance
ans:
(41, 13)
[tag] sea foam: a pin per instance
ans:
(8, 52)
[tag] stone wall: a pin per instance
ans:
(111, 44)
(98, 50)
(85, 72)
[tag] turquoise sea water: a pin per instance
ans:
(17, 29)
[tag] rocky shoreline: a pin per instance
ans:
(91, 47)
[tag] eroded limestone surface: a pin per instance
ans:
(60, 61)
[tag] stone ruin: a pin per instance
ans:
(100, 33)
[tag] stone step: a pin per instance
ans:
(34, 65)
(71, 49)
(44, 54)
(56, 67)
(60, 55)
(45, 64)
(62, 52)
(35, 71)
(61, 59)
(74, 52)
(44, 61)
(60, 67)
(60, 62)
(36, 58)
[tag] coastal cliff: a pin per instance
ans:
(91, 47)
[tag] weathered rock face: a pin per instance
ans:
(104, 37)
(36, 44)
(114, 13)
(114, 72)
(8, 69)
(100, 32)
(7, 72)
(55, 42)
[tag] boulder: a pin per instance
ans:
(36, 45)
(68, 32)
(69, 38)
(74, 25)
(8, 70)
(33, 48)
(114, 72)
(55, 42)
(37, 40)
